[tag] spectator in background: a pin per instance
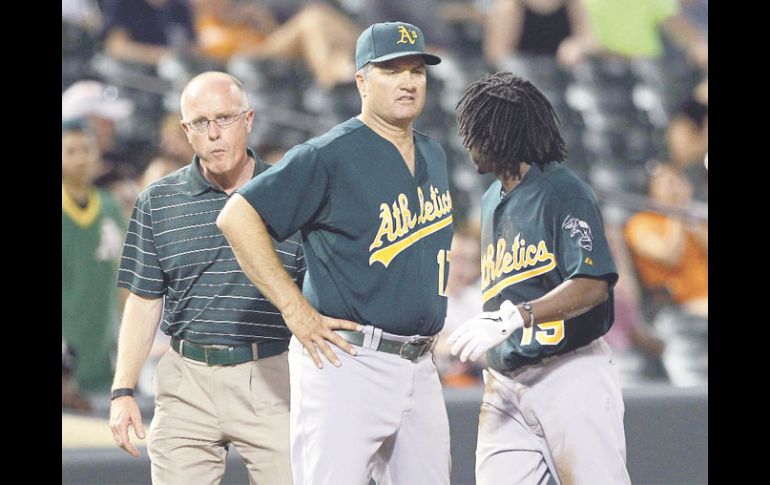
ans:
(688, 143)
(175, 152)
(632, 28)
(101, 107)
(671, 256)
(463, 303)
(636, 347)
(671, 253)
(555, 28)
(92, 233)
(71, 397)
(81, 25)
(124, 190)
(318, 35)
(696, 15)
(159, 166)
(83, 14)
(145, 31)
(173, 142)
(225, 28)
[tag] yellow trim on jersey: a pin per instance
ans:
(386, 255)
(512, 280)
(82, 217)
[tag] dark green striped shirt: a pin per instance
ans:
(174, 249)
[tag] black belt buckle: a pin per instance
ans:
(416, 347)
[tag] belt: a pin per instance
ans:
(598, 342)
(410, 348)
(228, 355)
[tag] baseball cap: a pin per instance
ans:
(75, 124)
(389, 40)
(85, 98)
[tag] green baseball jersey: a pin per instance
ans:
(91, 239)
(546, 230)
(376, 237)
(174, 249)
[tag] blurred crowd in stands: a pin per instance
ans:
(628, 78)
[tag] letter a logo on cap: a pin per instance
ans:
(406, 36)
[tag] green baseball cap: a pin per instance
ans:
(389, 40)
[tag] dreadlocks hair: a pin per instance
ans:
(508, 121)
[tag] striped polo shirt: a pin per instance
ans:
(174, 249)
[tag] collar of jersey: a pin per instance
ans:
(533, 172)
(198, 183)
(420, 164)
(83, 217)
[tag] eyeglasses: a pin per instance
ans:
(222, 121)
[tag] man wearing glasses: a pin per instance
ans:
(225, 380)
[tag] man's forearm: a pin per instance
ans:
(141, 317)
(568, 300)
(253, 248)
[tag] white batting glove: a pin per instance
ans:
(482, 332)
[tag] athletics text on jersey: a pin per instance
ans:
(546, 230)
(375, 236)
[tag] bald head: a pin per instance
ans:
(217, 123)
(209, 83)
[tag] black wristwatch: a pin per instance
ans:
(528, 307)
(120, 392)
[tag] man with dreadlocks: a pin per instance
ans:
(552, 407)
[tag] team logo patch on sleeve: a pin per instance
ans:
(581, 229)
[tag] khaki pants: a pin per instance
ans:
(201, 409)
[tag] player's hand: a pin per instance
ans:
(124, 412)
(315, 330)
(484, 331)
